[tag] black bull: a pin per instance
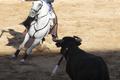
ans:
(80, 64)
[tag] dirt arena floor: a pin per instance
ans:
(97, 22)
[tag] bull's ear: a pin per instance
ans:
(58, 44)
(78, 40)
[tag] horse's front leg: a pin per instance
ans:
(29, 50)
(27, 37)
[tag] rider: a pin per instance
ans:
(53, 30)
(54, 27)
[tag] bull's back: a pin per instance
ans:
(84, 66)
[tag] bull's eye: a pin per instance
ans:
(66, 49)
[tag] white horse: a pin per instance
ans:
(39, 28)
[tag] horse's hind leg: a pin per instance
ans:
(29, 50)
(21, 46)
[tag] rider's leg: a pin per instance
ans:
(54, 25)
(54, 30)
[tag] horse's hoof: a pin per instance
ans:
(13, 57)
(22, 61)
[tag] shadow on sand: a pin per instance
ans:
(16, 39)
(40, 67)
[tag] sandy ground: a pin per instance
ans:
(97, 22)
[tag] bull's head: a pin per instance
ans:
(68, 43)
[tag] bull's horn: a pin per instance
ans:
(77, 38)
(57, 40)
